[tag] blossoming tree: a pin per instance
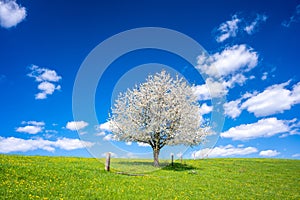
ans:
(161, 111)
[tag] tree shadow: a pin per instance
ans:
(135, 167)
(141, 163)
(179, 167)
(147, 163)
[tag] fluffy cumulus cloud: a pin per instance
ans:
(236, 25)
(43, 74)
(224, 70)
(48, 81)
(228, 29)
(76, 125)
(31, 127)
(71, 144)
(269, 153)
(263, 128)
(295, 18)
(201, 91)
(229, 61)
(142, 144)
(11, 13)
(232, 108)
(274, 99)
(104, 127)
(12, 144)
(205, 109)
(46, 88)
(104, 130)
(224, 151)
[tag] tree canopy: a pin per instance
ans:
(161, 111)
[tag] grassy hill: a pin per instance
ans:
(34, 177)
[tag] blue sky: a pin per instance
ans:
(252, 44)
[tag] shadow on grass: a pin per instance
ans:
(141, 163)
(135, 167)
(147, 163)
(179, 167)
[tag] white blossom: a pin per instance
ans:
(161, 111)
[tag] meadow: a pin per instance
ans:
(37, 177)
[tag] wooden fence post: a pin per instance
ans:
(172, 159)
(107, 162)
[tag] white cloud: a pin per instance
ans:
(231, 28)
(43, 74)
(265, 76)
(114, 155)
(202, 92)
(248, 95)
(82, 132)
(46, 88)
(102, 133)
(224, 69)
(71, 144)
(205, 109)
(295, 95)
(51, 131)
(216, 88)
(35, 123)
(211, 89)
(41, 95)
(33, 127)
(12, 144)
(142, 144)
(29, 129)
(104, 127)
(228, 29)
(76, 125)
(228, 150)
(48, 81)
(296, 155)
(263, 128)
(232, 108)
(250, 29)
(48, 75)
(295, 18)
(274, 99)
(239, 79)
(11, 13)
(109, 137)
(269, 153)
(229, 61)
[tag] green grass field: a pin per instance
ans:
(34, 177)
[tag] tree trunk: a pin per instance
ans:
(155, 156)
